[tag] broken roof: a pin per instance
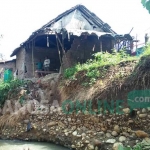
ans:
(7, 61)
(76, 20)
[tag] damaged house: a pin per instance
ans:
(71, 37)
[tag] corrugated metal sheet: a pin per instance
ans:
(77, 20)
(74, 20)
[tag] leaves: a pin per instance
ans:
(146, 4)
(8, 89)
(143, 2)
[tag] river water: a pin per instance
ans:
(21, 145)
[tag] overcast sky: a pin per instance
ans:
(19, 18)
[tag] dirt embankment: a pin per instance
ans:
(80, 130)
(116, 83)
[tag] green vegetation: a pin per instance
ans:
(99, 65)
(9, 89)
(136, 147)
(144, 145)
(146, 4)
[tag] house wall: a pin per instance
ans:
(83, 48)
(20, 63)
(40, 53)
(7, 65)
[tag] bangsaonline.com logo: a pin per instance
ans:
(135, 99)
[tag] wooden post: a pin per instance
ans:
(58, 50)
(33, 57)
(60, 43)
(62, 48)
(136, 42)
(100, 45)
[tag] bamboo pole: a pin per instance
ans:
(62, 47)
(60, 43)
(58, 50)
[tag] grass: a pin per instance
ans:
(96, 67)
(138, 146)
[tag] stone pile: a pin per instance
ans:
(83, 131)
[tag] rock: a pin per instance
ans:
(97, 143)
(122, 138)
(142, 115)
(96, 148)
(126, 110)
(44, 130)
(83, 134)
(73, 146)
(39, 118)
(52, 108)
(141, 134)
(90, 147)
(116, 128)
(55, 110)
(60, 124)
(78, 136)
(137, 141)
(108, 135)
(125, 134)
(87, 142)
(74, 133)
(129, 130)
(138, 112)
(114, 133)
(147, 140)
(26, 121)
(59, 109)
(111, 141)
(26, 139)
(103, 129)
(143, 110)
(100, 133)
(66, 133)
(69, 119)
(53, 123)
(116, 146)
(130, 121)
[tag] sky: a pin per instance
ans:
(19, 18)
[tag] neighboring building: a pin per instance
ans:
(71, 37)
(10, 64)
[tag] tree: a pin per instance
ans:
(146, 4)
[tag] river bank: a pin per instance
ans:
(81, 131)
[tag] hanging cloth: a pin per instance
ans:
(64, 34)
(47, 41)
(68, 36)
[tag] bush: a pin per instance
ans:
(7, 88)
(102, 59)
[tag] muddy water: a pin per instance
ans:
(20, 145)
